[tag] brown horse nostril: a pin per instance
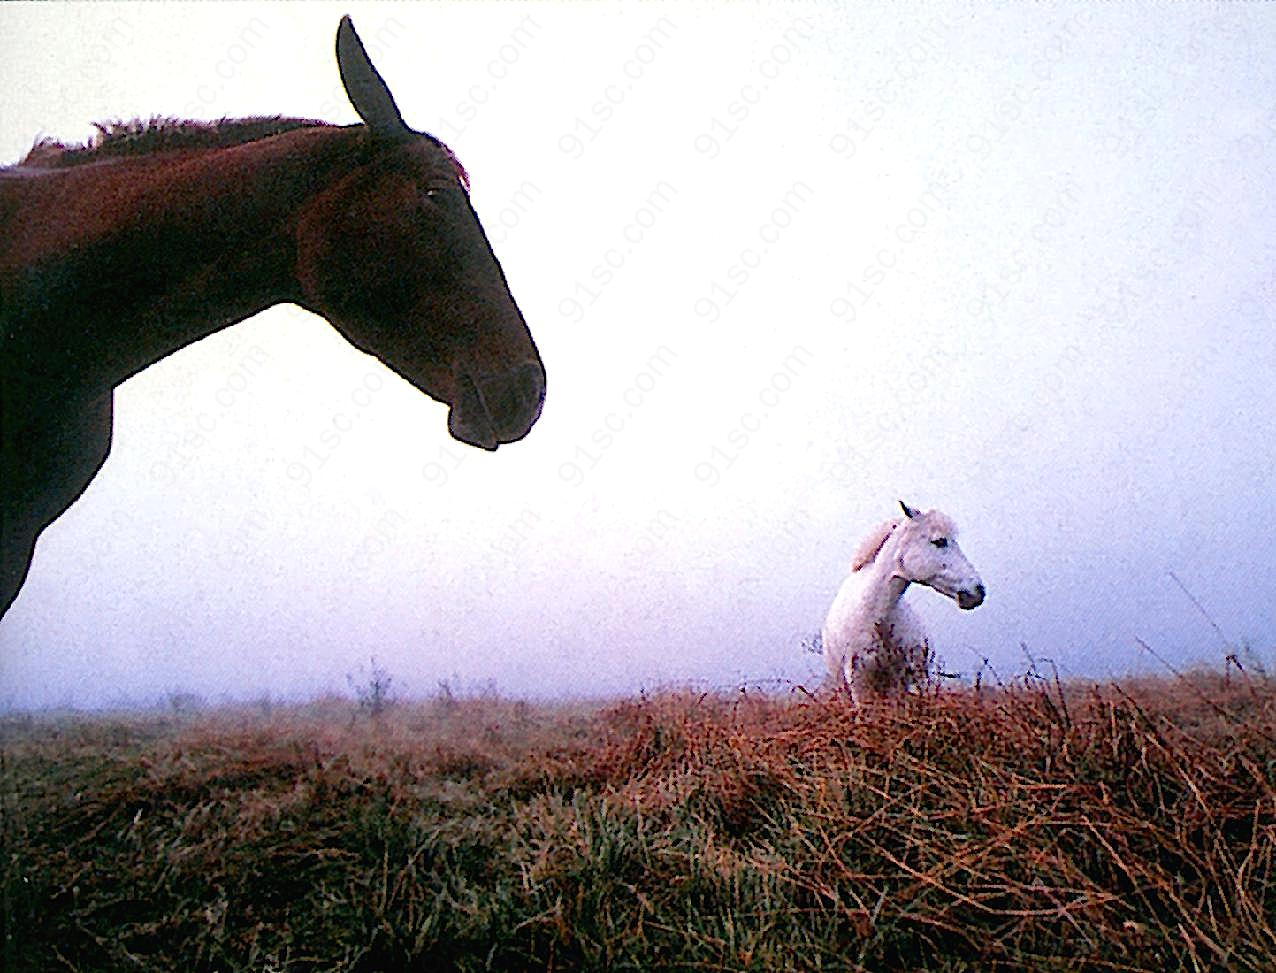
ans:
(513, 400)
(971, 599)
(498, 409)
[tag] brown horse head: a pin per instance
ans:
(394, 257)
(117, 253)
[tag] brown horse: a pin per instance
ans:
(118, 253)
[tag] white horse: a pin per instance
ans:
(874, 643)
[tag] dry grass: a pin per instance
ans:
(1040, 827)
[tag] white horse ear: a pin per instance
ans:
(909, 512)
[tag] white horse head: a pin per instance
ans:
(926, 553)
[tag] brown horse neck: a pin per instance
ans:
(108, 266)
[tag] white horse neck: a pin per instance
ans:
(884, 585)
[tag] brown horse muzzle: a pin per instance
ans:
(492, 410)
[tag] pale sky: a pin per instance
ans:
(786, 264)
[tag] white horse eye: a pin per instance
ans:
(940, 542)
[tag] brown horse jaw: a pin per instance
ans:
(496, 409)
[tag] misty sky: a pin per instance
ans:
(786, 264)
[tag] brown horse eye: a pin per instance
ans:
(941, 542)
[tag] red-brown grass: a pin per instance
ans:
(1036, 827)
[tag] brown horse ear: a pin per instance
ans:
(367, 91)
(909, 512)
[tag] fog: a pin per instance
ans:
(786, 265)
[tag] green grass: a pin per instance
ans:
(1034, 828)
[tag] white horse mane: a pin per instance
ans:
(874, 644)
(866, 553)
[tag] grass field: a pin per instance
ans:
(1035, 827)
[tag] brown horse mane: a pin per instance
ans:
(145, 136)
